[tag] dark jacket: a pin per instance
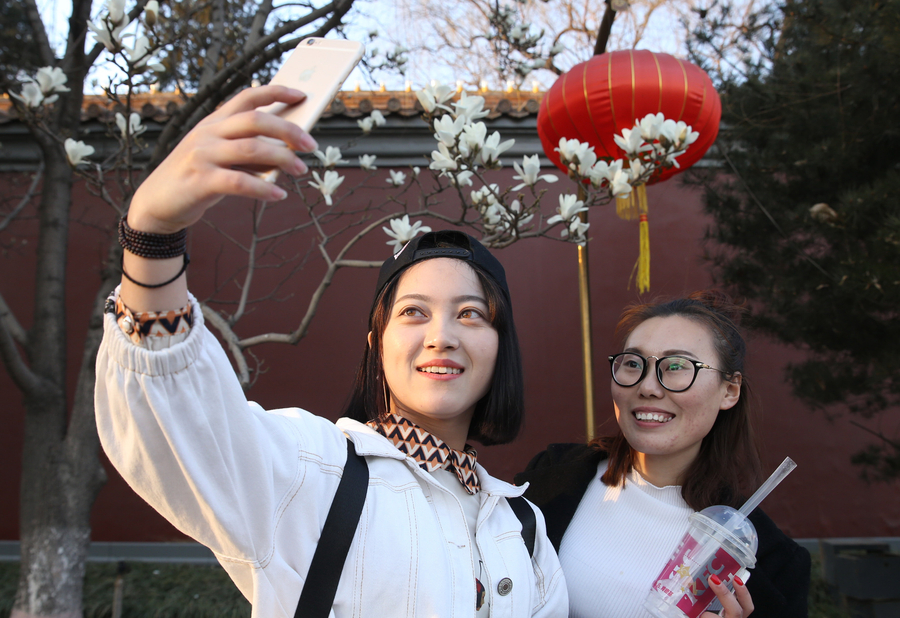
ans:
(560, 475)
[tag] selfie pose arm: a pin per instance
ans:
(207, 165)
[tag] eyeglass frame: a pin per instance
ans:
(697, 365)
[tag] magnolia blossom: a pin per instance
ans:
(650, 126)
(442, 159)
(630, 141)
(516, 207)
(378, 118)
(569, 206)
(402, 232)
(636, 168)
(367, 162)
(108, 33)
(528, 173)
(472, 137)
(31, 95)
(151, 12)
(431, 97)
(557, 49)
(77, 152)
(416, 170)
(397, 178)
(446, 129)
(134, 127)
(331, 156)
(576, 229)
(116, 11)
(493, 148)
(463, 179)
(573, 151)
(139, 54)
(328, 184)
(470, 108)
(486, 195)
(51, 79)
(366, 124)
(620, 183)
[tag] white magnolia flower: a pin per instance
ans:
(492, 216)
(442, 159)
(485, 196)
(576, 229)
(650, 126)
(31, 95)
(366, 124)
(416, 171)
(151, 12)
(573, 151)
(134, 127)
(637, 168)
(51, 79)
(528, 173)
(516, 207)
(140, 53)
(447, 129)
(463, 179)
(397, 178)
(557, 49)
(569, 206)
(367, 162)
(328, 184)
(331, 156)
(378, 118)
(433, 96)
(402, 232)
(110, 39)
(473, 136)
(586, 159)
(116, 11)
(630, 141)
(619, 184)
(493, 148)
(77, 152)
(470, 108)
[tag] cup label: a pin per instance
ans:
(686, 575)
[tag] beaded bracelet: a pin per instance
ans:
(187, 260)
(149, 245)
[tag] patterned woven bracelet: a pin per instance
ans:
(149, 245)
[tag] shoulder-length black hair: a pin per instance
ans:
(727, 465)
(498, 415)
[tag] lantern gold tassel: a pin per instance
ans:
(642, 266)
(627, 207)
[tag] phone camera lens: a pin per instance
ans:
(311, 42)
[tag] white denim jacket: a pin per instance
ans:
(255, 487)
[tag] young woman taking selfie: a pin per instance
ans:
(616, 508)
(436, 535)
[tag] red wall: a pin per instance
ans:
(822, 498)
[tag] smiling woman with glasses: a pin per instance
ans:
(617, 507)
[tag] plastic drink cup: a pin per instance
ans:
(721, 541)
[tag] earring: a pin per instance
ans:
(387, 400)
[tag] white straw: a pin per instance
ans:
(771, 483)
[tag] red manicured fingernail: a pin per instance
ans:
(738, 581)
(715, 580)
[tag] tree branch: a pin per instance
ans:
(605, 28)
(40, 34)
(25, 198)
(231, 340)
(27, 381)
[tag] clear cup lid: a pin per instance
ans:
(731, 523)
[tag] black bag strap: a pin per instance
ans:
(525, 514)
(331, 552)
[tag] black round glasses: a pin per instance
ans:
(675, 373)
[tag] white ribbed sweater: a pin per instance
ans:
(617, 543)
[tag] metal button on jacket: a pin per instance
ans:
(504, 587)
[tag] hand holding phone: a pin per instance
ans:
(318, 67)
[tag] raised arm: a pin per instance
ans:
(210, 163)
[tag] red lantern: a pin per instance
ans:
(597, 99)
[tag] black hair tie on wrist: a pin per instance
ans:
(149, 245)
(187, 260)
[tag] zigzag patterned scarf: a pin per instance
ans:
(430, 452)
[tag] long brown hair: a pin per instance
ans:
(727, 465)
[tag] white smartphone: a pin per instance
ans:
(318, 67)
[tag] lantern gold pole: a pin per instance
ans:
(587, 353)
